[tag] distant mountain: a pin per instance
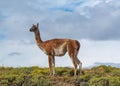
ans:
(103, 63)
(107, 64)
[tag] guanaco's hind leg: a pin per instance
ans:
(72, 55)
(73, 51)
(74, 63)
(79, 63)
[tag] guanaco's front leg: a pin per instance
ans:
(53, 65)
(50, 64)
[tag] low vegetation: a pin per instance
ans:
(35, 76)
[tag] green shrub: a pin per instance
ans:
(43, 82)
(84, 84)
(85, 77)
(98, 81)
(4, 82)
(19, 80)
(114, 81)
(35, 76)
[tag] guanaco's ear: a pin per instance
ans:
(37, 24)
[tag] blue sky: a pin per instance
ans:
(95, 23)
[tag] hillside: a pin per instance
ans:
(35, 76)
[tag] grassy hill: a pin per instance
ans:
(35, 76)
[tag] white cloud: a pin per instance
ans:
(92, 19)
(29, 54)
(91, 3)
(99, 51)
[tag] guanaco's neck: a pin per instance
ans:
(38, 38)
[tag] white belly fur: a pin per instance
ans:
(60, 51)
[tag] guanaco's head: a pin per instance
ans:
(34, 28)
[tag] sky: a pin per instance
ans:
(94, 23)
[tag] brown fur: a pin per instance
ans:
(58, 47)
